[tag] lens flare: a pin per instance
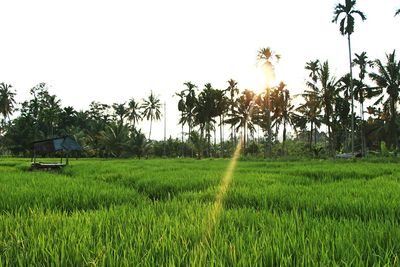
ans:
(215, 211)
(211, 221)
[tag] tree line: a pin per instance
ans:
(324, 120)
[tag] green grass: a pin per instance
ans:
(154, 212)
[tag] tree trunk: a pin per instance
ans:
(190, 133)
(151, 122)
(220, 137)
(182, 145)
(315, 135)
(393, 119)
(208, 140)
(363, 149)
(311, 135)
(352, 96)
(244, 138)
(284, 137)
(269, 130)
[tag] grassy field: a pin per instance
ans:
(157, 212)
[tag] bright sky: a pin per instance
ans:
(110, 51)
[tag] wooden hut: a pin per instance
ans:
(61, 145)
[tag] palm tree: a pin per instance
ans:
(388, 77)
(7, 100)
(182, 109)
(114, 139)
(205, 111)
(267, 57)
(313, 66)
(361, 90)
(120, 112)
(221, 108)
(151, 109)
(326, 90)
(233, 90)
(242, 114)
(286, 114)
(190, 103)
(312, 107)
(347, 28)
(310, 112)
(397, 12)
(134, 114)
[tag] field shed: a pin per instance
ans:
(61, 145)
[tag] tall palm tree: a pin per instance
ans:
(310, 113)
(311, 106)
(285, 115)
(190, 102)
(326, 90)
(242, 114)
(388, 77)
(7, 100)
(182, 120)
(134, 114)
(361, 90)
(267, 58)
(151, 109)
(347, 28)
(221, 108)
(233, 91)
(205, 111)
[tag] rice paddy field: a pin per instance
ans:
(165, 212)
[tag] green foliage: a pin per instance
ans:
(198, 143)
(384, 149)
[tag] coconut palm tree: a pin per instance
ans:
(267, 58)
(388, 77)
(347, 11)
(312, 107)
(242, 114)
(326, 90)
(120, 112)
(114, 138)
(151, 109)
(310, 113)
(285, 115)
(134, 114)
(221, 108)
(7, 100)
(233, 91)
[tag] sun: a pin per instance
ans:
(259, 78)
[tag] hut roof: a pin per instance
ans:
(66, 143)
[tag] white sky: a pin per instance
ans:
(110, 51)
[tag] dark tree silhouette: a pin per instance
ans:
(267, 57)
(151, 109)
(388, 77)
(7, 100)
(347, 11)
